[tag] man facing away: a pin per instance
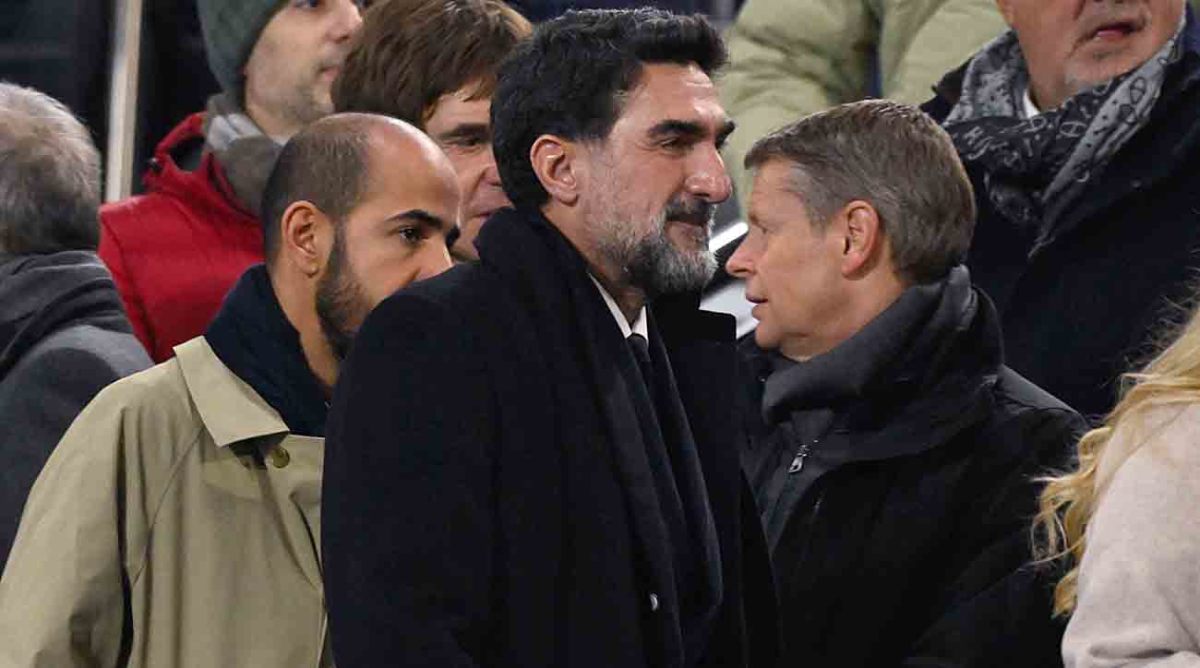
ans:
(1078, 128)
(177, 250)
(433, 63)
(63, 333)
(896, 468)
(177, 521)
(529, 464)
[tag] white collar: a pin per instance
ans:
(1030, 108)
(639, 324)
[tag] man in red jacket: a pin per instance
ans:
(176, 250)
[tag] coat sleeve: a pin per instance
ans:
(110, 252)
(1139, 581)
(63, 595)
(790, 58)
(919, 42)
(995, 607)
(407, 515)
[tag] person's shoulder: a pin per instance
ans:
(1028, 421)
(89, 349)
(151, 407)
(1017, 397)
(1165, 434)
(462, 293)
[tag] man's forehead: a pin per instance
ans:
(674, 91)
(463, 106)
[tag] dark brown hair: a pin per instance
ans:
(409, 53)
(893, 157)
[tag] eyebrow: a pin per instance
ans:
(690, 130)
(466, 131)
(422, 217)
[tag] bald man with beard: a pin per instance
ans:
(177, 522)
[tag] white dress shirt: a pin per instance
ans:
(639, 324)
(1031, 109)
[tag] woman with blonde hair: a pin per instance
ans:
(1128, 522)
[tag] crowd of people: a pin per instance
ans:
(400, 360)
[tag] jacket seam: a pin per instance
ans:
(135, 577)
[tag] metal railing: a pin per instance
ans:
(123, 99)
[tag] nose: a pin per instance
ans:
(436, 259)
(347, 19)
(741, 263)
(709, 180)
(491, 173)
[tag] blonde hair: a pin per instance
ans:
(1069, 501)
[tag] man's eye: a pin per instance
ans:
(412, 235)
(465, 143)
(306, 4)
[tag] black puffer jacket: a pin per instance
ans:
(896, 477)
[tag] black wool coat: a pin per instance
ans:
(487, 500)
(1093, 303)
(902, 536)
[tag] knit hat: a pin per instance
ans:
(231, 29)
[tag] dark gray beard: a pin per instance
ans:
(659, 268)
(652, 263)
(339, 297)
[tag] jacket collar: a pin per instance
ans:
(206, 186)
(231, 411)
(929, 364)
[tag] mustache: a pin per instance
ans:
(697, 212)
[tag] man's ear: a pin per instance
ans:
(554, 163)
(862, 240)
(304, 237)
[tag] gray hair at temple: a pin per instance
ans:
(49, 176)
(895, 158)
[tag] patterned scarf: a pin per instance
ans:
(246, 154)
(1034, 168)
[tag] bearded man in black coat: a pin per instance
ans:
(897, 461)
(533, 461)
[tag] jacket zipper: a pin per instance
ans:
(801, 454)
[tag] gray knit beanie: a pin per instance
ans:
(231, 29)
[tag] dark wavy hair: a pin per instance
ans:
(570, 80)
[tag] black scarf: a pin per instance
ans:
(599, 389)
(252, 336)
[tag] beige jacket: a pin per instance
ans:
(175, 525)
(1139, 582)
(790, 58)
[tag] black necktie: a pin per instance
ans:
(641, 352)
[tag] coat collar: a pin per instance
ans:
(231, 411)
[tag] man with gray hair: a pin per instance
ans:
(63, 333)
(895, 460)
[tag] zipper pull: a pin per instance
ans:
(801, 454)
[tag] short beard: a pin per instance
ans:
(652, 263)
(339, 300)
